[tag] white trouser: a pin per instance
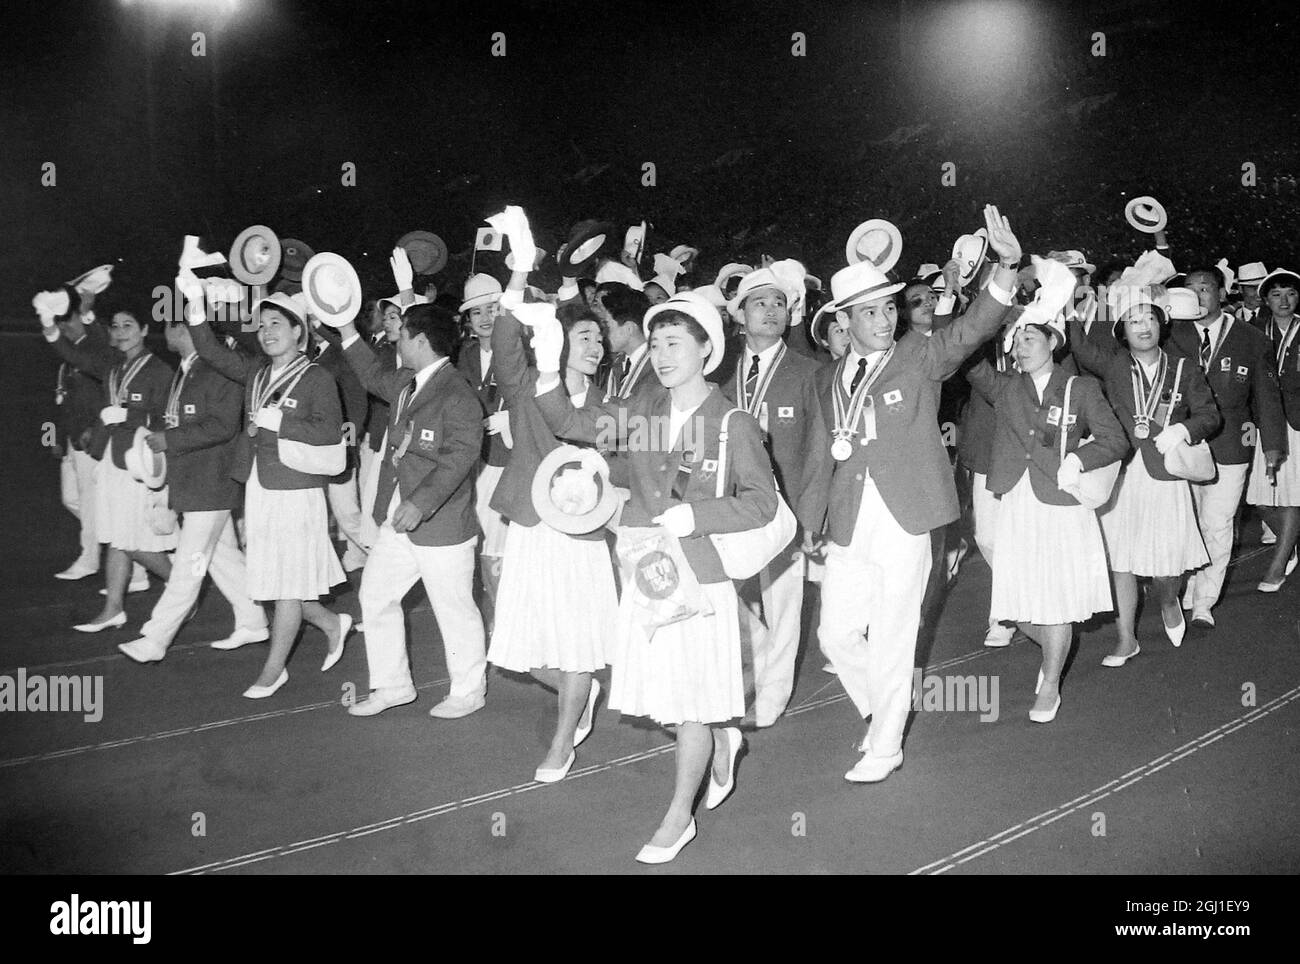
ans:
(368, 482)
(1216, 510)
(877, 580)
(346, 507)
(206, 546)
(985, 506)
(395, 563)
(776, 646)
(77, 484)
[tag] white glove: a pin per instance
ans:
(513, 223)
(1172, 437)
(191, 290)
(1068, 472)
(568, 290)
(403, 273)
(112, 414)
(548, 334)
(223, 290)
(50, 304)
(498, 423)
(268, 418)
(679, 520)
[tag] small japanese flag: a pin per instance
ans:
(487, 239)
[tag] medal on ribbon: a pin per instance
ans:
(847, 418)
(1146, 400)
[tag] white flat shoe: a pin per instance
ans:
(719, 792)
(336, 654)
(141, 586)
(1176, 633)
(242, 637)
(1112, 660)
(1204, 619)
(1271, 586)
(112, 622)
(873, 769)
(556, 774)
(663, 855)
(453, 708)
(262, 692)
(143, 650)
(75, 571)
(382, 699)
(998, 636)
(582, 732)
(1046, 716)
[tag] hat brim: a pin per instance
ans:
(556, 518)
(977, 262)
(583, 247)
(1147, 225)
(329, 309)
(479, 300)
(891, 253)
(1278, 276)
(427, 252)
(144, 464)
(694, 309)
(240, 265)
(294, 255)
(862, 297)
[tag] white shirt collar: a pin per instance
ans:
(765, 356)
(188, 361)
(424, 374)
(635, 357)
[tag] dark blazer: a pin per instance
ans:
(312, 414)
(201, 448)
(377, 411)
(1026, 434)
(1193, 405)
(494, 450)
(352, 395)
(750, 491)
(82, 393)
(1288, 374)
(145, 401)
(533, 440)
(436, 473)
(907, 460)
(796, 435)
(1245, 387)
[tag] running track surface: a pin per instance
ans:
(1163, 766)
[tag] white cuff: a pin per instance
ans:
(511, 299)
(945, 304)
(568, 292)
(1001, 294)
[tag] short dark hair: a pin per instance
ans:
(672, 316)
(625, 305)
(570, 316)
(436, 324)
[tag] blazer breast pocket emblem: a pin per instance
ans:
(1225, 364)
(137, 397)
(426, 437)
(785, 412)
(1054, 415)
(291, 403)
(894, 398)
(189, 410)
(708, 467)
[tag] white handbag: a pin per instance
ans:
(1192, 462)
(1093, 488)
(745, 553)
(311, 459)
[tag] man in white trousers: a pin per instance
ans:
(1237, 360)
(778, 387)
(424, 504)
(890, 485)
(204, 415)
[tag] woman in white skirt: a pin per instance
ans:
(1050, 568)
(291, 561)
(556, 598)
(1278, 495)
(1150, 521)
(687, 674)
(134, 520)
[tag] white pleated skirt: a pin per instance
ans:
(1262, 491)
(289, 553)
(493, 523)
(122, 511)
(687, 672)
(1150, 525)
(555, 603)
(1053, 567)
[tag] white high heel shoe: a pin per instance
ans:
(662, 855)
(256, 692)
(719, 792)
(334, 655)
(112, 622)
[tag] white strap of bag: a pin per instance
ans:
(1065, 415)
(1173, 396)
(722, 452)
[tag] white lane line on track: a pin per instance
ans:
(1048, 817)
(416, 816)
(181, 731)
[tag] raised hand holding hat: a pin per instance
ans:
(548, 334)
(1055, 288)
(513, 223)
(191, 290)
(192, 256)
(1001, 238)
(49, 305)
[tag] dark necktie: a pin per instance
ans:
(1206, 349)
(624, 372)
(857, 378)
(751, 379)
